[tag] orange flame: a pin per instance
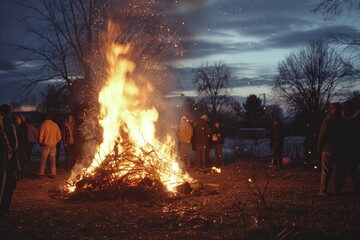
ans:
(122, 109)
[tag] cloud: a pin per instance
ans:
(6, 65)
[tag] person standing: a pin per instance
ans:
(33, 135)
(13, 164)
(49, 136)
(68, 140)
(217, 138)
(23, 143)
(277, 142)
(203, 132)
(347, 158)
(327, 143)
(5, 155)
(185, 135)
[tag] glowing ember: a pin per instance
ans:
(215, 169)
(129, 151)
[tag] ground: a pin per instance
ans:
(247, 200)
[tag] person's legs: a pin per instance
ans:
(10, 185)
(187, 154)
(202, 155)
(2, 182)
(220, 154)
(326, 169)
(52, 158)
(182, 152)
(29, 152)
(217, 155)
(45, 150)
(340, 178)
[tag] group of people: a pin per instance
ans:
(339, 145)
(200, 137)
(17, 140)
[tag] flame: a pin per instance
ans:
(215, 169)
(125, 120)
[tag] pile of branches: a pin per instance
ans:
(127, 173)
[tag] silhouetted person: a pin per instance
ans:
(328, 145)
(13, 164)
(203, 132)
(68, 140)
(49, 136)
(347, 160)
(33, 136)
(5, 155)
(217, 138)
(185, 135)
(193, 145)
(277, 142)
(23, 142)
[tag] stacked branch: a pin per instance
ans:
(132, 167)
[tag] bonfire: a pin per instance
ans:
(130, 153)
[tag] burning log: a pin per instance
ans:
(184, 188)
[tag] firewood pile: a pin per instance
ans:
(131, 170)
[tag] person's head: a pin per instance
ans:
(216, 124)
(5, 110)
(205, 117)
(19, 119)
(335, 108)
(47, 116)
(184, 119)
(70, 118)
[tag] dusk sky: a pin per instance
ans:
(250, 36)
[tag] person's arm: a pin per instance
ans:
(41, 134)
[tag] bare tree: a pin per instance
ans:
(274, 111)
(336, 8)
(212, 83)
(309, 78)
(344, 9)
(62, 36)
(68, 38)
(54, 100)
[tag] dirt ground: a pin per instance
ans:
(247, 200)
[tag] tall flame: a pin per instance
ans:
(124, 118)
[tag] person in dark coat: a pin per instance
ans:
(328, 145)
(13, 164)
(33, 135)
(68, 140)
(5, 155)
(23, 142)
(193, 145)
(347, 158)
(217, 138)
(203, 132)
(277, 142)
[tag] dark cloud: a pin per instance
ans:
(6, 65)
(215, 29)
(261, 81)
